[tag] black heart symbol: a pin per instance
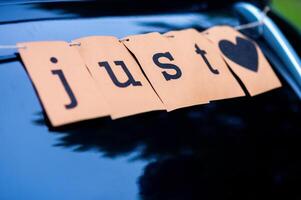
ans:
(244, 52)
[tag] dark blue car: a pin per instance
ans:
(243, 148)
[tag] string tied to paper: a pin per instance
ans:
(256, 23)
(239, 28)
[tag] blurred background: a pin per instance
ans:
(290, 9)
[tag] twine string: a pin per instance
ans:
(239, 28)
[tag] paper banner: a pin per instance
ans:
(203, 58)
(66, 90)
(245, 58)
(118, 76)
(177, 85)
(103, 76)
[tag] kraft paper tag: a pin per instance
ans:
(65, 87)
(118, 76)
(202, 56)
(177, 85)
(245, 58)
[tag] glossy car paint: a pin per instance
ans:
(244, 148)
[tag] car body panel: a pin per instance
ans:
(213, 150)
